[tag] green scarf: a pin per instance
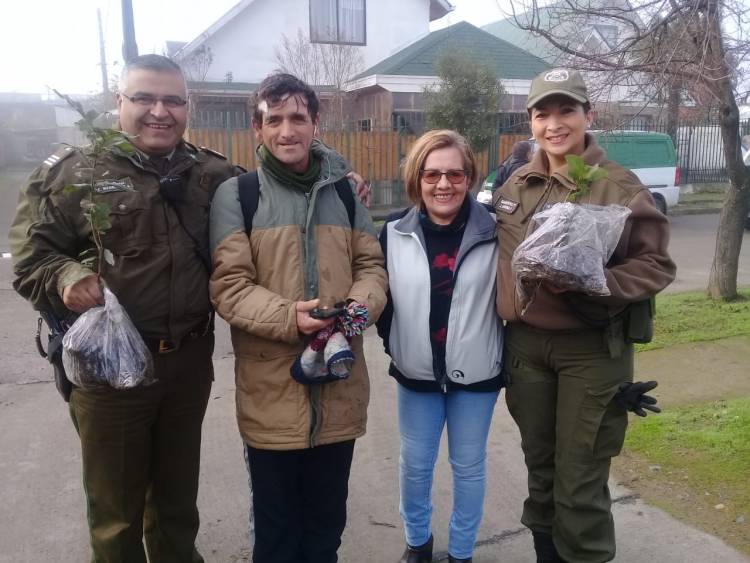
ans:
(283, 174)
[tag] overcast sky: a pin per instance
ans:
(53, 43)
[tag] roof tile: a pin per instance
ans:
(421, 57)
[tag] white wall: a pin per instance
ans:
(392, 25)
(246, 45)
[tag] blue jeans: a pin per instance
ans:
(421, 418)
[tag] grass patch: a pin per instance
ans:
(714, 437)
(702, 198)
(694, 317)
(717, 187)
(698, 458)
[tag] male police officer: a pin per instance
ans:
(304, 243)
(140, 447)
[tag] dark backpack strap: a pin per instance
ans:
(249, 192)
(344, 189)
(248, 187)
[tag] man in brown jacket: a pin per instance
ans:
(568, 361)
(303, 246)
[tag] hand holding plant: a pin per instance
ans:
(103, 346)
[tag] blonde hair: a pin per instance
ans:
(430, 141)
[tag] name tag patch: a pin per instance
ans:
(109, 186)
(506, 205)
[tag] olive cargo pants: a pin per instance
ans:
(141, 459)
(559, 391)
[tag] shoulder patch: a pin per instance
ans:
(57, 157)
(213, 152)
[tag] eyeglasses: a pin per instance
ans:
(434, 176)
(148, 101)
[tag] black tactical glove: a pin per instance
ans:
(632, 397)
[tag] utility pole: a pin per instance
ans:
(129, 46)
(103, 63)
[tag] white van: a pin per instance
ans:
(651, 157)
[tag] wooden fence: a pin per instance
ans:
(375, 155)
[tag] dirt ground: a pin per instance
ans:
(691, 373)
(669, 491)
(697, 373)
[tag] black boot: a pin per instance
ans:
(419, 554)
(545, 548)
(452, 559)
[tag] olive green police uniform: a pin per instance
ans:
(566, 354)
(141, 447)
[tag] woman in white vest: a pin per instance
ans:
(444, 337)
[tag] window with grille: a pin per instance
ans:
(637, 123)
(338, 21)
(233, 116)
(364, 125)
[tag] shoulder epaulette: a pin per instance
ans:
(57, 157)
(213, 152)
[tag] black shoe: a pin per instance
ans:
(545, 548)
(420, 554)
(452, 559)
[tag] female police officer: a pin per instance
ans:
(568, 355)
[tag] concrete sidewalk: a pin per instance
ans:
(43, 516)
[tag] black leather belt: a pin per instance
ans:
(164, 346)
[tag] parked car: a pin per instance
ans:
(650, 156)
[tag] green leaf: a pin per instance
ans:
(125, 147)
(109, 258)
(582, 174)
(73, 188)
(598, 174)
(111, 135)
(98, 216)
(576, 166)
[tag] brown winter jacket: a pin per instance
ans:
(301, 246)
(639, 268)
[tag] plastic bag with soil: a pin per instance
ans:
(103, 348)
(569, 248)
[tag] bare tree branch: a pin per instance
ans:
(660, 47)
(321, 64)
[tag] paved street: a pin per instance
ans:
(42, 518)
(692, 244)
